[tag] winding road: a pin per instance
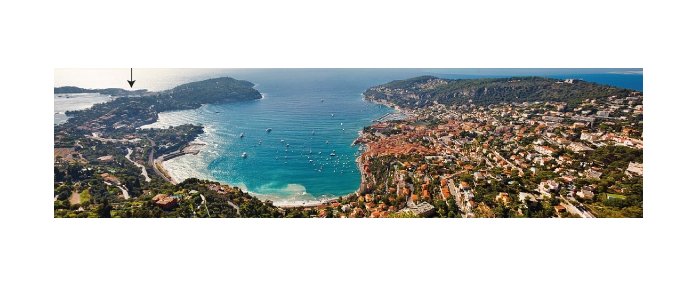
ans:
(143, 171)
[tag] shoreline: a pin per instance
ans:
(359, 164)
(159, 166)
(193, 148)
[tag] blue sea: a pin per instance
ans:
(73, 102)
(312, 113)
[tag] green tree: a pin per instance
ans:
(104, 209)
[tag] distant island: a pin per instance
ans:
(508, 147)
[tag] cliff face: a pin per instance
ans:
(427, 90)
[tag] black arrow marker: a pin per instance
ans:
(131, 82)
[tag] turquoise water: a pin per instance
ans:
(315, 112)
(311, 116)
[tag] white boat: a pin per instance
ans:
(269, 130)
(244, 155)
(242, 135)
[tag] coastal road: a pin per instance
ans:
(157, 163)
(154, 163)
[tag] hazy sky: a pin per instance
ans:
(160, 79)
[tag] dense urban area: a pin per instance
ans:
(510, 147)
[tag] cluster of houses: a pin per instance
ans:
(509, 138)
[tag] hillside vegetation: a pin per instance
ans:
(426, 90)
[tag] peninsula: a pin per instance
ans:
(110, 91)
(104, 164)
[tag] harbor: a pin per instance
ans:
(392, 116)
